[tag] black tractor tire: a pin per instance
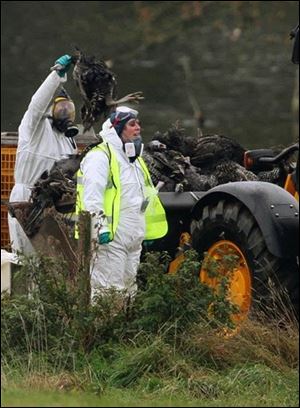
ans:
(230, 220)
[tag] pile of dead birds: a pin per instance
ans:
(176, 163)
(198, 163)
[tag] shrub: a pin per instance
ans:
(54, 317)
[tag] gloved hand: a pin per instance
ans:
(104, 238)
(63, 64)
(147, 243)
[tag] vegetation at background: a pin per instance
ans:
(238, 52)
(165, 347)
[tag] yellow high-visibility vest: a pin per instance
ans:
(155, 217)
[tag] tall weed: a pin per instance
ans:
(168, 335)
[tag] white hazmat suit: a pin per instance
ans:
(39, 146)
(115, 264)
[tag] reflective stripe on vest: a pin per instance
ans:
(155, 217)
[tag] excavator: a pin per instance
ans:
(254, 222)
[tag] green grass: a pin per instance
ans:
(245, 386)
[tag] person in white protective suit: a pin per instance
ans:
(119, 225)
(45, 135)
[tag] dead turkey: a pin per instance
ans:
(174, 172)
(194, 163)
(98, 87)
(204, 151)
(55, 188)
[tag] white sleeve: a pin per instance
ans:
(40, 103)
(95, 170)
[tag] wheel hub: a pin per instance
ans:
(228, 259)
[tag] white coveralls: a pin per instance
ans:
(115, 264)
(39, 146)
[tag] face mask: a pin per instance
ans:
(134, 148)
(63, 116)
(65, 126)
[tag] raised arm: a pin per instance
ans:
(43, 97)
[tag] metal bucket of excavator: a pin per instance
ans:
(47, 231)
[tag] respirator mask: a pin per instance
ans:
(134, 148)
(63, 116)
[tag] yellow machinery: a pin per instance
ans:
(256, 222)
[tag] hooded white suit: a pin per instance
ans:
(115, 264)
(39, 146)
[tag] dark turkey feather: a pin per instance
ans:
(175, 170)
(204, 151)
(58, 185)
(229, 171)
(98, 88)
(272, 176)
(211, 149)
(195, 163)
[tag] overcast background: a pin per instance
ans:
(237, 57)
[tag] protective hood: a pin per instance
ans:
(132, 149)
(109, 134)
